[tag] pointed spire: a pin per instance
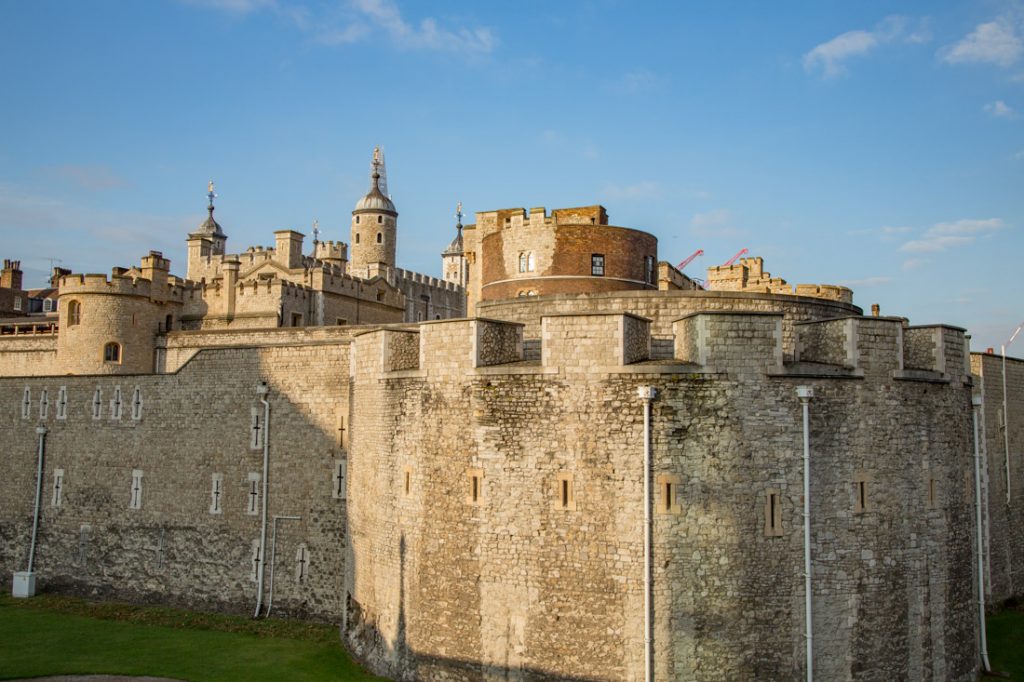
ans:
(211, 196)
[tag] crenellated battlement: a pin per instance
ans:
(115, 284)
(749, 275)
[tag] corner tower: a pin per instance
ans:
(453, 259)
(374, 225)
(206, 244)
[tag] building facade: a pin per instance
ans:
(465, 497)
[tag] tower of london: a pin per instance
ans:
(562, 459)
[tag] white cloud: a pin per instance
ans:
(999, 109)
(942, 236)
(831, 56)
(886, 233)
(646, 189)
(714, 223)
(914, 263)
(356, 20)
(995, 42)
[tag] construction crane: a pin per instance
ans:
(698, 252)
(734, 258)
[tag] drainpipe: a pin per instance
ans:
(1006, 429)
(976, 401)
(805, 393)
(261, 391)
(647, 394)
(41, 431)
(273, 557)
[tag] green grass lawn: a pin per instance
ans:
(54, 635)
(1006, 642)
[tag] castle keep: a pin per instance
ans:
(329, 436)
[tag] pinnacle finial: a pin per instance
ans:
(316, 231)
(211, 196)
(458, 213)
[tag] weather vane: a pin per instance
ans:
(316, 231)
(458, 212)
(210, 194)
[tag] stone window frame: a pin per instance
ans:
(339, 479)
(773, 513)
(357, 234)
(97, 403)
(474, 486)
(380, 237)
(380, 220)
(26, 403)
(252, 494)
(135, 496)
(48, 304)
(57, 498)
(44, 404)
(667, 486)
(301, 564)
(564, 491)
(862, 492)
(116, 404)
(407, 480)
(216, 493)
(17, 303)
(357, 220)
(597, 265)
(932, 490)
(74, 312)
(256, 428)
(136, 403)
(255, 560)
(62, 403)
(112, 358)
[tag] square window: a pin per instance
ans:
(597, 265)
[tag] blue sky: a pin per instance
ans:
(874, 144)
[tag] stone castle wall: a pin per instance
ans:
(495, 510)
(28, 355)
(1004, 518)
(192, 427)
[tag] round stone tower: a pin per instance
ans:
(374, 225)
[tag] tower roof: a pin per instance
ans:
(455, 248)
(375, 200)
(210, 227)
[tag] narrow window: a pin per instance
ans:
(668, 492)
(407, 483)
(47, 305)
(380, 238)
(97, 403)
(522, 262)
(649, 269)
(773, 513)
(301, 564)
(861, 493)
(74, 313)
(216, 493)
(529, 261)
(44, 404)
(17, 302)
(135, 501)
(58, 488)
(597, 265)
(256, 429)
(338, 479)
(112, 353)
(26, 403)
(116, 404)
(62, 403)
(357, 235)
(169, 323)
(357, 220)
(380, 219)
(341, 428)
(296, 319)
(475, 478)
(254, 568)
(565, 496)
(137, 404)
(83, 543)
(253, 495)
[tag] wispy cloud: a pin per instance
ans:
(995, 42)
(942, 236)
(646, 189)
(999, 109)
(715, 223)
(886, 233)
(95, 178)
(914, 263)
(357, 20)
(831, 56)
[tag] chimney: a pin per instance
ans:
(10, 276)
(875, 310)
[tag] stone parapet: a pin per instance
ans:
(732, 342)
(584, 342)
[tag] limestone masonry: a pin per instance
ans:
(325, 435)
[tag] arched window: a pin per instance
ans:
(380, 219)
(112, 353)
(380, 238)
(522, 262)
(529, 262)
(357, 220)
(74, 313)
